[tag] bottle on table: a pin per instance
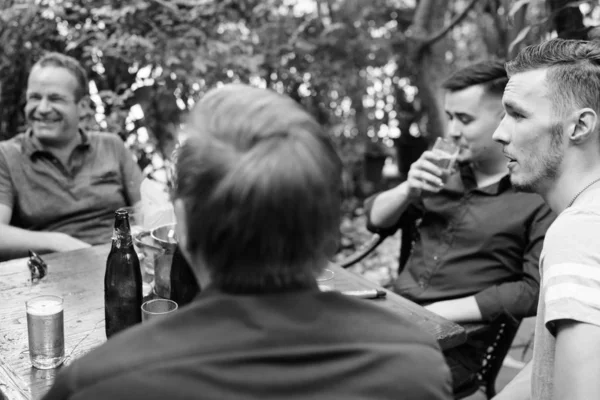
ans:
(184, 286)
(122, 280)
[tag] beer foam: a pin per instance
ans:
(44, 307)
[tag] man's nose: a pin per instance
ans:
(501, 133)
(453, 130)
(43, 106)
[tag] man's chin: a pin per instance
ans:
(48, 137)
(522, 186)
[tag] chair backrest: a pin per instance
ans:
(491, 364)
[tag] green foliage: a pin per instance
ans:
(351, 63)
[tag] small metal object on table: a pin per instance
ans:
(78, 277)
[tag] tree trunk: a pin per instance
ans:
(429, 63)
(568, 21)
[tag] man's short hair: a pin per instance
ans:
(573, 75)
(55, 59)
(260, 181)
(490, 73)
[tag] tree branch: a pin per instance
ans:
(442, 32)
(330, 10)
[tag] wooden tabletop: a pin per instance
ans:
(78, 277)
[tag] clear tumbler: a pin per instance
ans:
(45, 328)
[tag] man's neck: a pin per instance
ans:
(489, 173)
(566, 190)
(63, 150)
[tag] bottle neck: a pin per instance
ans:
(122, 232)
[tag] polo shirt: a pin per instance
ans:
(78, 199)
(484, 242)
(301, 344)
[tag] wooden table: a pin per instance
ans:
(78, 277)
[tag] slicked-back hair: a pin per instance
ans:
(573, 72)
(55, 59)
(260, 181)
(491, 74)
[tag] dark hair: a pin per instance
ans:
(573, 75)
(61, 60)
(490, 73)
(260, 181)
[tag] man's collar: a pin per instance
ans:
(32, 146)
(465, 181)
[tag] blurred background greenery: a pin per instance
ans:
(370, 70)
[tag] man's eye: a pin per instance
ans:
(465, 121)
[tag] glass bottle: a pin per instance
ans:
(122, 280)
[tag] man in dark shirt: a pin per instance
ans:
(59, 185)
(257, 204)
(477, 243)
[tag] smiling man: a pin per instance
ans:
(59, 185)
(475, 254)
(551, 137)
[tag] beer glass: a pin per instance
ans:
(326, 276)
(446, 151)
(45, 328)
(157, 308)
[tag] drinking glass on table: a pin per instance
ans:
(446, 151)
(45, 329)
(157, 308)
(325, 280)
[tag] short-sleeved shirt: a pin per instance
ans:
(475, 241)
(78, 199)
(570, 271)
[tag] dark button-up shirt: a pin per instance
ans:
(78, 198)
(484, 242)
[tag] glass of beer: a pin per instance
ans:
(446, 151)
(157, 308)
(45, 328)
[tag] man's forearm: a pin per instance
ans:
(16, 242)
(464, 309)
(389, 206)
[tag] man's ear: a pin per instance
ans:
(584, 126)
(84, 107)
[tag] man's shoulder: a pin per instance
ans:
(395, 344)
(359, 317)
(106, 138)
(14, 144)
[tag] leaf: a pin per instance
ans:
(520, 37)
(305, 45)
(167, 5)
(516, 7)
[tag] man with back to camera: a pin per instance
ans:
(59, 185)
(257, 204)
(477, 243)
(551, 138)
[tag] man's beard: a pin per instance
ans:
(549, 165)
